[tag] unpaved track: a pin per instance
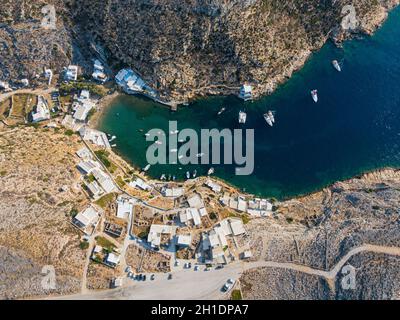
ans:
(189, 284)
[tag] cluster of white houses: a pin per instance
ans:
(98, 72)
(81, 108)
(100, 182)
(215, 244)
(192, 216)
(254, 207)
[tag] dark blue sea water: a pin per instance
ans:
(355, 127)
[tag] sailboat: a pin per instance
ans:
(221, 110)
(336, 65)
(242, 117)
(314, 94)
(269, 117)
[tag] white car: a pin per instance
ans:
(228, 285)
(196, 268)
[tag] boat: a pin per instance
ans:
(162, 177)
(187, 174)
(210, 171)
(112, 138)
(147, 134)
(242, 117)
(314, 94)
(269, 117)
(336, 65)
(173, 150)
(158, 142)
(113, 145)
(174, 132)
(146, 168)
(199, 155)
(221, 110)
(173, 178)
(180, 157)
(194, 173)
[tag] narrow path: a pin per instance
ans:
(329, 275)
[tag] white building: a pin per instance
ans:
(84, 153)
(71, 74)
(86, 218)
(4, 86)
(82, 106)
(140, 184)
(156, 231)
(172, 192)
(41, 112)
(104, 180)
(98, 72)
(195, 201)
(86, 167)
(184, 240)
(246, 92)
(213, 186)
(94, 189)
(48, 74)
(129, 81)
(124, 207)
(112, 259)
(94, 136)
(190, 214)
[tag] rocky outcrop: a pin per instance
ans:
(318, 230)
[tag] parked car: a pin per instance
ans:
(152, 277)
(228, 285)
(170, 276)
(196, 268)
(207, 269)
(177, 263)
(189, 265)
(144, 278)
(219, 267)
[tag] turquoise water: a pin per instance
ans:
(355, 127)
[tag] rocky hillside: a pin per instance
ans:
(318, 230)
(183, 48)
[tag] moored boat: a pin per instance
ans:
(314, 95)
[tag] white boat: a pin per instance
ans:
(194, 174)
(147, 134)
(112, 138)
(269, 117)
(146, 168)
(180, 157)
(187, 174)
(113, 145)
(158, 142)
(162, 177)
(314, 95)
(174, 150)
(174, 132)
(222, 110)
(242, 117)
(210, 171)
(336, 65)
